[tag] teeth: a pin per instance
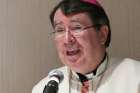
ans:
(72, 49)
(72, 52)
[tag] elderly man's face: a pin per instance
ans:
(79, 45)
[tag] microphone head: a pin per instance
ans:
(57, 74)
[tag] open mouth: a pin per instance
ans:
(72, 52)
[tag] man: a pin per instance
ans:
(82, 34)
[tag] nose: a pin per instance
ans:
(69, 37)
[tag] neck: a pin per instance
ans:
(83, 77)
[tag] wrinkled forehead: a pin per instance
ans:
(81, 17)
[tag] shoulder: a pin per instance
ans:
(39, 87)
(123, 63)
(129, 64)
(126, 68)
(122, 75)
(123, 67)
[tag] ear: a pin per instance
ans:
(103, 34)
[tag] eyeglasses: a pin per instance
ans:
(75, 30)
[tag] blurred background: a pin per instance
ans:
(27, 50)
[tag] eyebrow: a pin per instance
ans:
(57, 23)
(78, 20)
(75, 20)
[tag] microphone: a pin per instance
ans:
(55, 78)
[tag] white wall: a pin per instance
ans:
(124, 16)
(26, 49)
(26, 53)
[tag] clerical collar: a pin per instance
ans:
(98, 71)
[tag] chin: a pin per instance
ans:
(79, 71)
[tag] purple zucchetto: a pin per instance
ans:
(95, 2)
